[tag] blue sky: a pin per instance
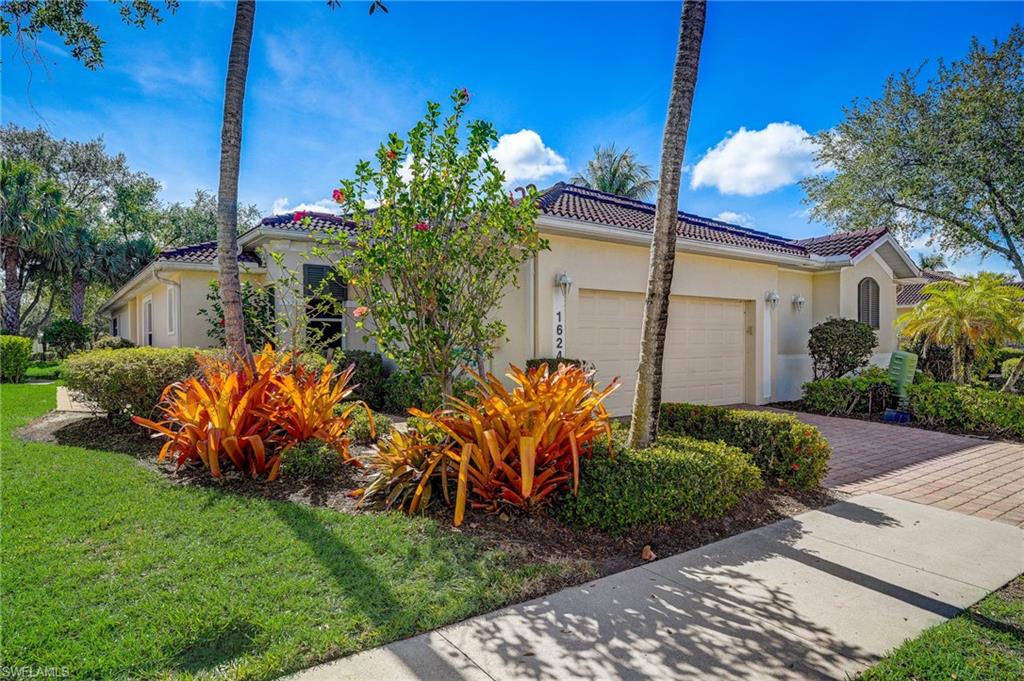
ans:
(326, 86)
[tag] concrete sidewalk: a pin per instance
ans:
(822, 595)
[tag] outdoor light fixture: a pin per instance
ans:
(772, 298)
(564, 282)
(798, 301)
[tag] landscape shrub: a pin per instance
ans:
(553, 362)
(967, 409)
(677, 478)
(1001, 355)
(360, 432)
(15, 354)
(249, 416)
(838, 346)
(368, 378)
(788, 452)
(1008, 367)
(129, 381)
(869, 392)
(51, 370)
(404, 390)
(112, 343)
(313, 460)
(515, 447)
(66, 336)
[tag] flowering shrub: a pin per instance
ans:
(249, 416)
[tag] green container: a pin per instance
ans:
(902, 367)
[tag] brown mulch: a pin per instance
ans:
(530, 537)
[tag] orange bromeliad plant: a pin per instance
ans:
(251, 414)
(519, 446)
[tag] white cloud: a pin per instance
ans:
(281, 206)
(154, 77)
(523, 156)
(734, 218)
(752, 162)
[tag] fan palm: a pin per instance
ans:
(931, 261)
(31, 212)
(617, 173)
(965, 315)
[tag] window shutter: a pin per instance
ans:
(313, 278)
(868, 302)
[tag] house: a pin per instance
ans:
(911, 293)
(742, 303)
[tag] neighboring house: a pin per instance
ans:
(911, 293)
(742, 304)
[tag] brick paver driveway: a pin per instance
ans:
(971, 475)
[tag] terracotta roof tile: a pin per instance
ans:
(316, 221)
(204, 253)
(911, 294)
(589, 205)
(842, 243)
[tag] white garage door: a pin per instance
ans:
(705, 348)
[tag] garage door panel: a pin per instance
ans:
(705, 352)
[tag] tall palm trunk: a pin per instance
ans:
(78, 287)
(647, 400)
(12, 293)
(227, 192)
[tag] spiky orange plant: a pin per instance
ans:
(251, 414)
(519, 446)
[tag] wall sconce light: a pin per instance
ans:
(798, 301)
(564, 282)
(772, 298)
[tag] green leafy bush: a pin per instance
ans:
(112, 343)
(839, 346)
(967, 409)
(130, 381)
(676, 479)
(359, 430)
(869, 392)
(66, 336)
(402, 390)
(368, 377)
(313, 460)
(44, 370)
(15, 353)
(1008, 367)
(787, 451)
(553, 362)
(1001, 355)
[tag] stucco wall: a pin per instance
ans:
(872, 266)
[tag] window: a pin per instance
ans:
(147, 321)
(867, 302)
(171, 309)
(115, 324)
(326, 294)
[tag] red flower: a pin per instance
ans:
(299, 216)
(421, 227)
(222, 322)
(338, 195)
(795, 467)
(391, 154)
(360, 311)
(464, 94)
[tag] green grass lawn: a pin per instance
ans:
(984, 643)
(112, 571)
(44, 370)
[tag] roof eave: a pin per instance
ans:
(168, 265)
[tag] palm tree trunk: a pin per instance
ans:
(647, 400)
(227, 191)
(78, 286)
(12, 294)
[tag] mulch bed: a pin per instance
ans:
(531, 537)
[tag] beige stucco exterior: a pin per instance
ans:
(775, 301)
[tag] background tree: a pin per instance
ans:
(932, 261)
(647, 399)
(944, 159)
(617, 173)
(431, 263)
(964, 317)
(27, 19)
(181, 224)
(31, 213)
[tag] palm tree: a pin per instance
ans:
(931, 261)
(30, 214)
(80, 263)
(963, 316)
(647, 399)
(617, 173)
(227, 192)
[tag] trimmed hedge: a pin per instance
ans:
(677, 478)
(112, 343)
(128, 382)
(312, 460)
(967, 409)
(15, 355)
(869, 392)
(369, 376)
(787, 451)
